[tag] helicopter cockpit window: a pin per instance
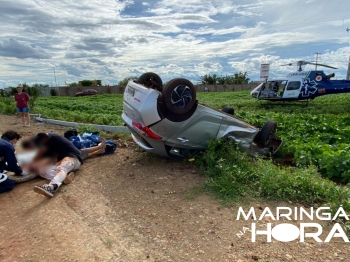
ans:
(293, 85)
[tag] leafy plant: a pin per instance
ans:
(34, 92)
(232, 174)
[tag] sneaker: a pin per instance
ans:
(69, 178)
(46, 190)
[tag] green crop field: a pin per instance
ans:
(99, 109)
(316, 137)
(318, 134)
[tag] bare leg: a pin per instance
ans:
(102, 146)
(96, 152)
(27, 117)
(65, 166)
(41, 165)
(23, 119)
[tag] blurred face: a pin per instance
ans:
(19, 89)
(14, 141)
(29, 145)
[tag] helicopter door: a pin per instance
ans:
(292, 89)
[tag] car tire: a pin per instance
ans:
(151, 80)
(179, 96)
(266, 133)
(20, 179)
(228, 110)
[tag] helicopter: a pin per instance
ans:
(300, 85)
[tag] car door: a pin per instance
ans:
(197, 132)
(292, 89)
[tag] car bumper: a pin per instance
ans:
(141, 144)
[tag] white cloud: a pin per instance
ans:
(338, 58)
(114, 39)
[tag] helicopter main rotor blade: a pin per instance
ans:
(322, 65)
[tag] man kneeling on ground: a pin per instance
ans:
(8, 159)
(55, 146)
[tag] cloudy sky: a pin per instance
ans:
(113, 39)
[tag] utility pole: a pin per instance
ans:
(316, 59)
(348, 73)
(54, 73)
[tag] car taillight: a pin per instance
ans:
(146, 130)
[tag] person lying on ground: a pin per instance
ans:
(8, 160)
(54, 146)
(47, 166)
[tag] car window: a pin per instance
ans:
(293, 85)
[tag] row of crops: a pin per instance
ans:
(101, 109)
(317, 134)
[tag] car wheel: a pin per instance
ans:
(20, 179)
(228, 110)
(151, 80)
(179, 96)
(266, 133)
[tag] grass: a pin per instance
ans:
(109, 242)
(232, 175)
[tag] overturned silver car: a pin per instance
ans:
(170, 122)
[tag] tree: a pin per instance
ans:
(241, 78)
(85, 82)
(34, 92)
(3, 93)
(89, 83)
(209, 79)
(125, 81)
(236, 78)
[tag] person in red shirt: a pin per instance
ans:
(22, 107)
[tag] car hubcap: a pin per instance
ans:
(181, 96)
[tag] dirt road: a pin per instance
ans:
(132, 206)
